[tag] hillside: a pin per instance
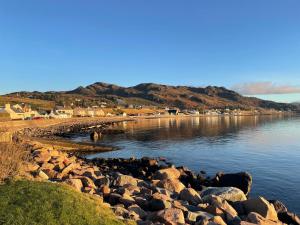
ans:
(151, 94)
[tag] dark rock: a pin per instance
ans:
(158, 204)
(279, 206)
(289, 218)
(241, 180)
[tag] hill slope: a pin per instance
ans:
(183, 97)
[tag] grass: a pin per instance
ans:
(41, 203)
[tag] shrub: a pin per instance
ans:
(45, 203)
(11, 158)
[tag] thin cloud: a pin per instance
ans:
(264, 88)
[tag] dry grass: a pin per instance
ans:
(11, 158)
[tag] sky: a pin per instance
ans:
(251, 46)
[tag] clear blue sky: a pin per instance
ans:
(61, 44)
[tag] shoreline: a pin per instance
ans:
(148, 190)
(151, 190)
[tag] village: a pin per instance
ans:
(25, 112)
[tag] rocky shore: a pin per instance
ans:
(72, 127)
(153, 191)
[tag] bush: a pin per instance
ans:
(45, 203)
(11, 158)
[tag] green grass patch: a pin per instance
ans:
(44, 203)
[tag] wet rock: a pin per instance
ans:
(242, 181)
(261, 206)
(190, 195)
(289, 218)
(279, 206)
(228, 193)
(173, 185)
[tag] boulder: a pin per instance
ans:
(228, 193)
(127, 200)
(138, 210)
(125, 179)
(41, 156)
(41, 174)
(75, 183)
(218, 220)
(190, 195)
(67, 169)
(173, 185)
(220, 207)
(105, 190)
(168, 173)
(87, 182)
(114, 198)
(197, 216)
(279, 206)
(102, 180)
(289, 218)
(171, 216)
(262, 207)
(120, 211)
(256, 218)
(242, 181)
(159, 202)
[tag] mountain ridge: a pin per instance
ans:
(152, 94)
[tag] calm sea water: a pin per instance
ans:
(266, 146)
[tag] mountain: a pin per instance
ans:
(151, 94)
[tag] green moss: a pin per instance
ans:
(33, 203)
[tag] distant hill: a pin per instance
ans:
(151, 94)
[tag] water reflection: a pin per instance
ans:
(266, 146)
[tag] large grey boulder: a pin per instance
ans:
(228, 193)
